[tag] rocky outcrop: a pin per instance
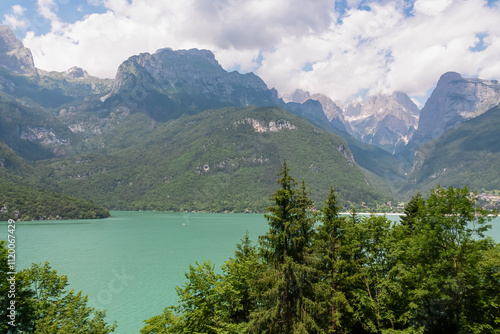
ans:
(387, 121)
(454, 100)
(272, 126)
(13, 55)
(45, 136)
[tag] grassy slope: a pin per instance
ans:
(380, 166)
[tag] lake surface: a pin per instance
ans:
(129, 264)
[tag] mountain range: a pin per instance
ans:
(175, 131)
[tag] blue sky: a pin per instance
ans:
(341, 48)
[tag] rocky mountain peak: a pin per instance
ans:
(331, 110)
(454, 100)
(182, 70)
(167, 83)
(76, 73)
(387, 121)
(205, 55)
(13, 55)
(448, 77)
(298, 96)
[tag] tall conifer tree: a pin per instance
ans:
(287, 298)
(328, 248)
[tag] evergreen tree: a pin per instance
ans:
(353, 275)
(328, 246)
(241, 273)
(375, 269)
(286, 288)
(412, 211)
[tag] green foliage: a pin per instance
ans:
(446, 246)
(25, 309)
(286, 286)
(468, 154)
(333, 256)
(412, 211)
(241, 273)
(44, 306)
(210, 302)
(435, 272)
(165, 323)
(213, 161)
(22, 202)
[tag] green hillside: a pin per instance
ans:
(379, 165)
(51, 89)
(213, 161)
(468, 154)
(12, 166)
(23, 198)
(21, 202)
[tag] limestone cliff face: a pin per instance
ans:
(387, 121)
(194, 76)
(454, 100)
(13, 55)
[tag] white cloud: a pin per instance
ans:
(380, 50)
(15, 19)
(424, 48)
(47, 8)
(431, 7)
(18, 10)
(14, 22)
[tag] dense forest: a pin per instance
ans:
(21, 202)
(435, 272)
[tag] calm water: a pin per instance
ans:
(130, 264)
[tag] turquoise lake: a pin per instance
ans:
(129, 264)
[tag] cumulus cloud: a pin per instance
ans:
(374, 46)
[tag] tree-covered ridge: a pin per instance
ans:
(42, 304)
(217, 160)
(436, 272)
(22, 202)
(23, 198)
